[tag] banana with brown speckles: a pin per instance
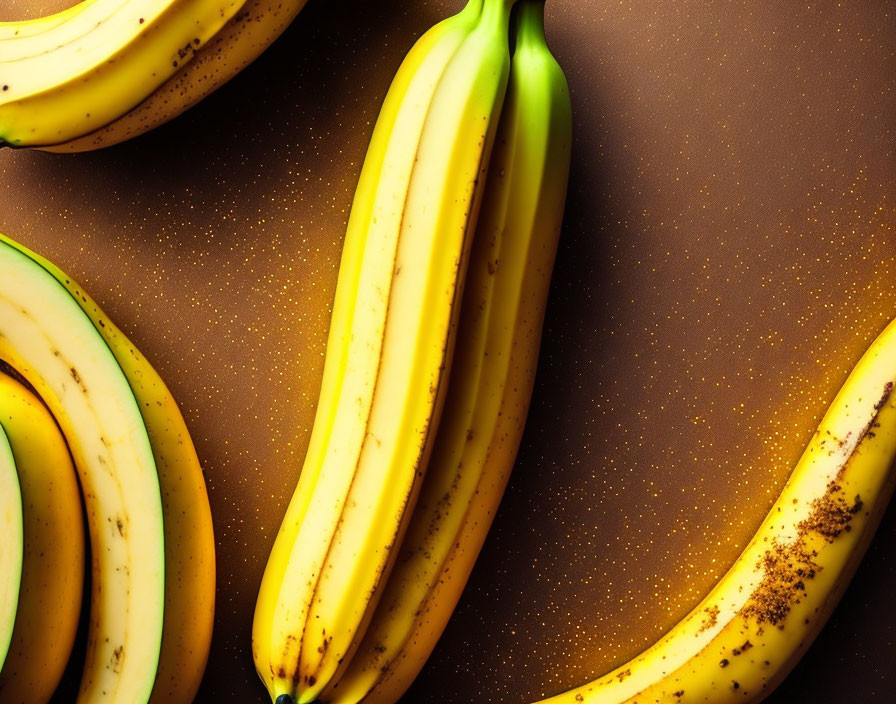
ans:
(492, 375)
(104, 71)
(237, 44)
(389, 349)
(740, 642)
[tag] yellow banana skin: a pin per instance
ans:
(237, 44)
(390, 344)
(11, 548)
(66, 76)
(491, 377)
(49, 604)
(189, 537)
(740, 642)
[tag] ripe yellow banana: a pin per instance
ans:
(12, 545)
(499, 334)
(53, 566)
(68, 74)
(390, 344)
(189, 540)
(748, 633)
(237, 44)
(51, 342)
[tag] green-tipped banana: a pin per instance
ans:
(499, 334)
(389, 348)
(12, 545)
(189, 597)
(49, 340)
(748, 633)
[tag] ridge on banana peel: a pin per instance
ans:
(237, 44)
(170, 621)
(388, 351)
(68, 74)
(49, 601)
(499, 334)
(741, 641)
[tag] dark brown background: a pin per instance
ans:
(728, 253)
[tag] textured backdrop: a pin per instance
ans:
(728, 252)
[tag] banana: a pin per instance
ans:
(237, 44)
(740, 642)
(12, 546)
(53, 563)
(189, 534)
(51, 342)
(66, 75)
(388, 351)
(189, 539)
(491, 378)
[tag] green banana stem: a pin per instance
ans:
(495, 9)
(528, 28)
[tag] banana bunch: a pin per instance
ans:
(79, 404)
(334, 621)
(740, 642)
(104, 71)
(499, 335)
(389, 350)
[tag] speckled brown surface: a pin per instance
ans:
(728, 253)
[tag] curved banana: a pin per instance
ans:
(390, 343)
(53, 564)
(237, 44)
(189, 538)
(51, 342)
(189, 534)
(492, 375)
(11, 547)
(69, 74)
(748, 633)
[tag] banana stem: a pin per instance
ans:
(528, 26)
(496, 9)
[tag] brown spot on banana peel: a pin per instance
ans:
(742, 649)
(712, 617)
(115, 662)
